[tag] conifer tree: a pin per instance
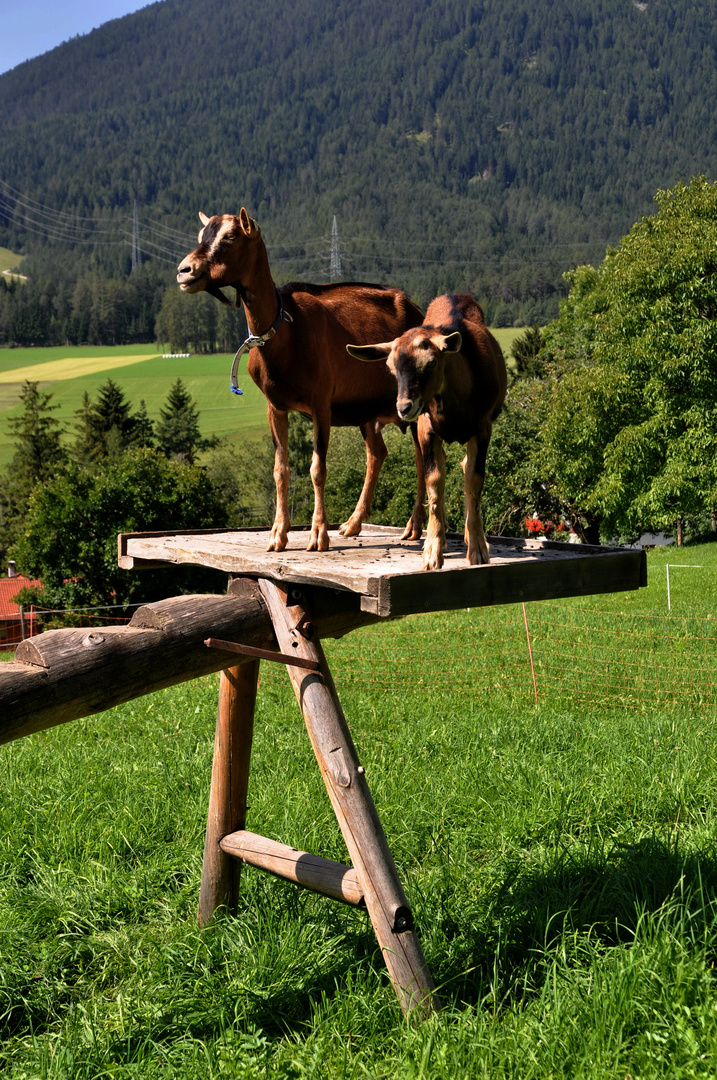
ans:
(38, 455)
(177, 430)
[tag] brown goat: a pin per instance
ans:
(302, 366)
(451, 377)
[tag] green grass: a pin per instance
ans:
(206, 377)
(9, 260)
(560, 860)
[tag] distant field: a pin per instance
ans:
(9, 260)
(141, 377)
(144, 375)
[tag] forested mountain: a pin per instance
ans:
(460, 143)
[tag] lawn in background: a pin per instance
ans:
(560, 860)
(9, 261)
(206, 377)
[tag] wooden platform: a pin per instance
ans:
(386, 572)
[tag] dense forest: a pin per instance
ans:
(460, 144)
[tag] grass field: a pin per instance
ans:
(67, 372)
(143, 375)
(560, 859)
(9, 260)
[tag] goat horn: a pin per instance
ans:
(203, 218)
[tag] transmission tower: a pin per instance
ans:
(335, 271)
(135, 238)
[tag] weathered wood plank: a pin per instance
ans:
(311, 871)
(387, 572)
(345, 782)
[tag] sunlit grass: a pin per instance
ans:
(560, 860)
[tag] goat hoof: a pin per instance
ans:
(350, 527)
(319, 541)
(411, 532)
(432, 558)
(277, 540)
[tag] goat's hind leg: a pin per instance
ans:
(279, 427)
(375, 456)
(319, 540)
(474, 474)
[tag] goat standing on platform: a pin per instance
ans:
(451, 378)
(303, 366)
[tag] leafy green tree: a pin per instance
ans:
(177, 430)
(631, 431)
(69, 538)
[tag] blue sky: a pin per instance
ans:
(31, 27)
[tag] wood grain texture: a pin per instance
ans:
(311, 871)
(345, 782)
(62, 675)
(230, 783)
(387, 572)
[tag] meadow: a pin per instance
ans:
(559, 857)
(144, 374)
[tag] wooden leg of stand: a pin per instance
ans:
(351, 799)
(230, 780)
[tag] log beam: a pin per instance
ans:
(311, 871)
(230, 785)
(356, 814)
(62, 675)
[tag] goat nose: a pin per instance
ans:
(404, 408)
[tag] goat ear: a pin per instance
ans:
(452, 342)
(248, 224)
(370, 353)
(203, 218)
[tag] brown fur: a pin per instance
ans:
(304, 366)
(450, 376)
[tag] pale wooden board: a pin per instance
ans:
(387, 571)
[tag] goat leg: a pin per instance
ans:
(319, 540)
(279, 426)
(474, 473)
(414, 528)
(375, 456)
(434, 462)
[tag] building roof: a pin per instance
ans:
(9, 587)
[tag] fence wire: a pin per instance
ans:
(540, 651)
(578, 655)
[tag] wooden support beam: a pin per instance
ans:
(63, 675)
(230, 783)
(345, 781)
(321, 875)
(260, 654)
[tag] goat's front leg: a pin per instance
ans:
(375, 456)
(319, 540)
(414, 528)
(434, 463)
(279, 426)
(474, 473)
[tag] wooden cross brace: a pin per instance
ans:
(372, 880)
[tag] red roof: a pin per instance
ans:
(8, 588)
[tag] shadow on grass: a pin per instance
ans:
(494, 955)
(601, 895)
